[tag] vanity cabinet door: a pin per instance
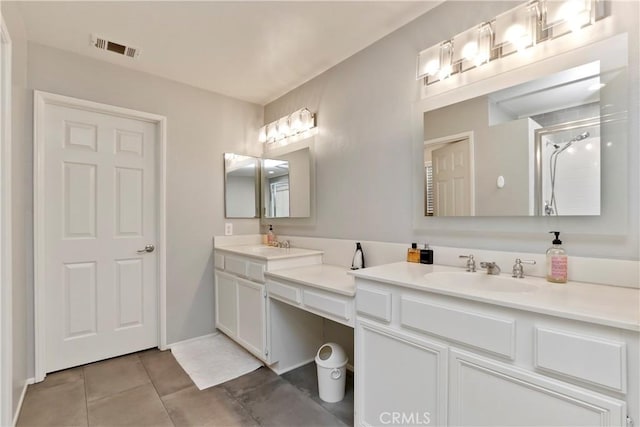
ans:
(226, 303)
(251, 317)
(400, 380)
(484, 392)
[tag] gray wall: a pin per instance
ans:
(201, 127)
(365, 148)
(22, 321)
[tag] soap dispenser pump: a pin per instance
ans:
(358, 258)
(557, 261)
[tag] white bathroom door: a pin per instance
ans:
(452, 179)
(100, 213)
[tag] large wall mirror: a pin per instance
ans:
(542, 147)
(241, 186)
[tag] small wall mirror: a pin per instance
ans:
(533, 149)
(241, 186)
(286, 183)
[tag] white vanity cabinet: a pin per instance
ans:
(240, 291)
(424, 358)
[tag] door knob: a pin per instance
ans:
(148, 248)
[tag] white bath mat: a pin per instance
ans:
(213, 360)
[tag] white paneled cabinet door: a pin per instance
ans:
(251, 317)
(100, 209)
(226, 303)
(401, 380)
(484, 392)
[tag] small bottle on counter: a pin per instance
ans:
(358, 258)
(413, 253)
(557, 269)
(426, 255)
(271, 236)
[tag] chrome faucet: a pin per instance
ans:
(471, 262)
(518, 270)
(492, 267)
(283, 244)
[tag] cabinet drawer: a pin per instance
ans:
(255, 271)
(565, 353)
(327, 304)
(236, 266)
(219, 261)
(376, 304)
(285, 292)
(483, 331)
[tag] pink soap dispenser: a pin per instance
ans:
(556, 261)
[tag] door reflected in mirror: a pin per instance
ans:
(241, 185)
(531, 149)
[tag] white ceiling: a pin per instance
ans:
(250, 50)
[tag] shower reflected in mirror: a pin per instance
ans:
(569, 168)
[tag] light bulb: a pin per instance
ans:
(295, 124)
(272, 132)
(432, 67)
(306, 118)
(570, 12)
(470, 51)
(283, 127)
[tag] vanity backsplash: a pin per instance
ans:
(625, 273)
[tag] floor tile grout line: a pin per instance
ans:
(86, 397)
(156, 390)
(239, 402)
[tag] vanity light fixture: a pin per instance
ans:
(515, 30)
(296, 124)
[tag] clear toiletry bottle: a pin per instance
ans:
(557, 261)
(271, 237)
(426, 255)
(413, 253)
(358, 258)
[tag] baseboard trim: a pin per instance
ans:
(289, 368)
(27, 383)
(168, 347)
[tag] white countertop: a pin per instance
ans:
(268, 253)
(605, 305)
(331, 278)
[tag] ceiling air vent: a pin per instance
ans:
(119, 48)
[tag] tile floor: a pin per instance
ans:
(150, 388)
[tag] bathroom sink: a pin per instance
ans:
(478, 281)
(266, 250)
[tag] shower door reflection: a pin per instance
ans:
(568, 169)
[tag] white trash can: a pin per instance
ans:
(331, 361)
